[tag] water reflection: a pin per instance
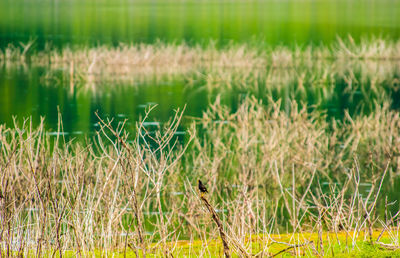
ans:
(332, 87)
(289, 22)
(23, 93)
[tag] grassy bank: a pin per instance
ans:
(334, 245)
(267, 171)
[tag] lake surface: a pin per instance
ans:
(287, 22)
(25, 91)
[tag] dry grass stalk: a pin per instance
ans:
(219, 225)
(270, 172)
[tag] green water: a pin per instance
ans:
(288, 22)
(25, 92)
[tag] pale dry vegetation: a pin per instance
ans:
(267, 172)
(219, 67)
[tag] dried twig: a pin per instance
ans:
(219, 224)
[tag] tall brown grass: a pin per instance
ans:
(267, 171)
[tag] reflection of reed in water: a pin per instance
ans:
(133, 62)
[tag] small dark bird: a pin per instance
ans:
(202, 188)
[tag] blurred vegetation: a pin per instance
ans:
(92, 22)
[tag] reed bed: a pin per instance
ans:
(173, 54)
(360, 74)
(132, 62)
(322, 185)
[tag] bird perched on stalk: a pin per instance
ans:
(202, 188)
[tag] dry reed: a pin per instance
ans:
(268, 172)
(217, 66)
